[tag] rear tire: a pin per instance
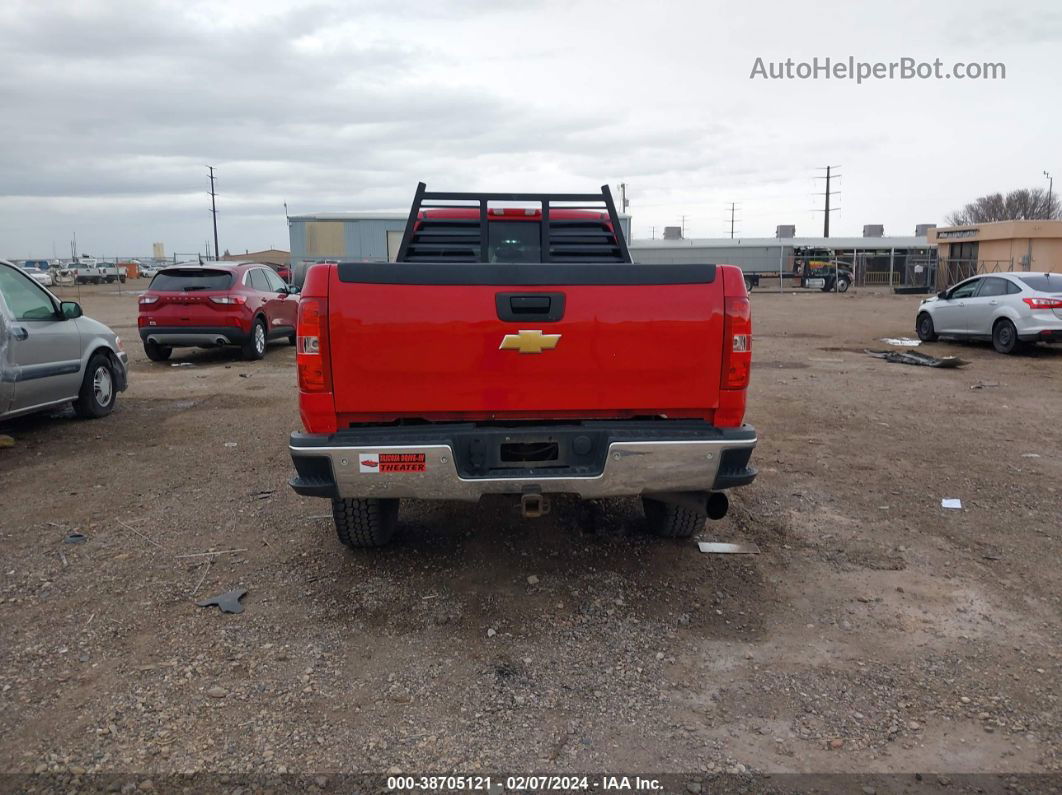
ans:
(292, 339)
(156, 352)
(925, 329)
(99, 389)
(748, 285)
(842, 285)
(1005, 337)
(365, 523)
(255, 346)
(667, 520)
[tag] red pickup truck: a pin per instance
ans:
(519, 350)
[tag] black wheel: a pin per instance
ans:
(255, 346)
(748, 285)
(365, 523)
(924, 327)
(1005, 336)
(842, 285)
(156, 352)
(121, 279)
(292, 339)
(667, 520)
(99, 390)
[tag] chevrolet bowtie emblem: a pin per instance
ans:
(529, 341)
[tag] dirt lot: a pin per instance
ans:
(875, 632)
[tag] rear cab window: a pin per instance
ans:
(186, 280)
(515, 241)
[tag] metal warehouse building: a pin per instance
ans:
(367, 237)
(898, 261)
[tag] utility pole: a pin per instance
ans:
(214, 210)
(733, 208)
(652, 231)
(683, 227)
(624, 204)
(826, 212)
(1050, 191)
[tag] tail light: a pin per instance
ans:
(149, 299)
(737, 342)
(228, 299)
(311, 352)
(1043, 303)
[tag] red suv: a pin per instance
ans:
(205, 306)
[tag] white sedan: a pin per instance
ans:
(1010, 309)
(43, 278)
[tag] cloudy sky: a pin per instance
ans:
(111, 108)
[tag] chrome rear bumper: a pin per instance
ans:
(430, 470)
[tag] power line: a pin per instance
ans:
(826, 211)
(214, 211)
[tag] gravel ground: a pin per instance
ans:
(875, 632)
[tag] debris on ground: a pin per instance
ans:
(1030, 455)
(914, 357)
(6, 441)
(720, 548)
(229, 602)
(984, 384)
(182, 364)
(75, 538)
(955, 505)
(902, 342)
(231, 444)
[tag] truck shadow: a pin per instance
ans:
(479, 569)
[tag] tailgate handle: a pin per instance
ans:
(520, 307)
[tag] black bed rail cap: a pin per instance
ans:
(524, 274)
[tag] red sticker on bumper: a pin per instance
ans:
(391, 462)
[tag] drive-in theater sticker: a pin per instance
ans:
(391, 462)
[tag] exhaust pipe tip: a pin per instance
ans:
(718, 504)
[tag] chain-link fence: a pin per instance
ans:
(953, 270)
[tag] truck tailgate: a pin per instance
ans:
(430, 341)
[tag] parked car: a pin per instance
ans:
(148, 270)
(205, 306)
(51, 354)
(88, 270)
(520, 351)
(41, 277)
(1010, 309)
(284, 272)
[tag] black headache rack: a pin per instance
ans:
(570, 240)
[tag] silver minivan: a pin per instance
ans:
(51, 354)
